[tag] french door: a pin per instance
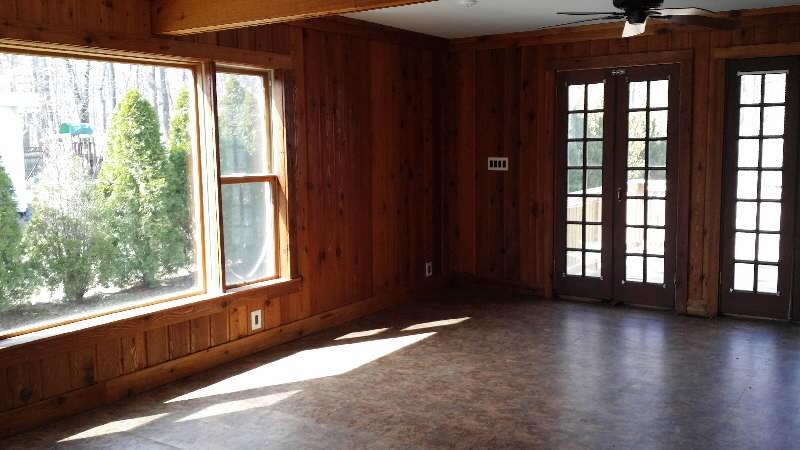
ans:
(760, 190)
(615, 191)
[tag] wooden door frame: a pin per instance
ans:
(684, 60)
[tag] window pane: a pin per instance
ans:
(575, 209)
(769, 247)
(769, 217)
(101, 169)
(655, 241)
(748, 153)
(575, 181)
(594, 126)
(634, 240)
(768, 279)
(774, 120)
(576, 97)
(243, 144)
(656, 213)
(638, 95)
(747, 184)
(634, 268)
(751, 89)
(658, 124)
(575, 263)
(745, 247)
(771, 184)
(659, 94)
(574, 236)
(249, 225)
(658, 154)
(743, 277)
(594, 209)
(657, 183)
(596, 96)
(575, 154)
(636, 183)
(655, 270)
(594, 153)
(575, 126)
(749, 121)
(635, 212)
(772, 153)
(594, 237)
(593, 264)
(636, 153)
(775, 88)
(594, 181)
(637, 125)
(746, 213)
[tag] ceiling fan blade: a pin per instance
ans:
(578, 22)
(588, 13)
(683, 11)
(633, 29)
(716, 22)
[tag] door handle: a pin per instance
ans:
(619, 195)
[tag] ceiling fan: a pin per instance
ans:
(637, 12)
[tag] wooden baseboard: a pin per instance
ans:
(109, 391)
(508, 287)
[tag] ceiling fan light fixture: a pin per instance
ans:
(468, 3)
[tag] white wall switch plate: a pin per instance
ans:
(255, 320)
(428, 269)
(498, 164)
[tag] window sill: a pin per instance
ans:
(65, 337)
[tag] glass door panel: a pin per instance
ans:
(584, 234)
(758, 218)
(644, 209)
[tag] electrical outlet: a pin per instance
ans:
(255, 320)
(428, 269)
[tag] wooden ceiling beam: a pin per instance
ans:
(179, 17)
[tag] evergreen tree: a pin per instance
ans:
(238, 134)
(133, 198)
(179, 151)
(12, 272)
(62, 241)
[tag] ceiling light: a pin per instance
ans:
(468, 3)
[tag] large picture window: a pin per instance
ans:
(97, 191)
(247, 178)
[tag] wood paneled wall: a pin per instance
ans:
(364, 212)
(499, 226)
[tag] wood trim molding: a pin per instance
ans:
(180, 17)
(111, 45)
(372, 31)
(21, 419)
(758, 51)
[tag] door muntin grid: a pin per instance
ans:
(584, 180)
(646, 173)
(760, 151)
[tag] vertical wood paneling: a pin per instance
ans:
(180, 339)
(82, 368)
(55, 375)
(134, 353)
(24, 383)
(157, 346)
(200, 334)
(109, 359)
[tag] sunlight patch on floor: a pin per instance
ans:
(235, 406)
(307, 365)
(438, 323)
(360, 334)
(118, 426)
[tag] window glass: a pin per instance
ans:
(96, 192)
(242, 124)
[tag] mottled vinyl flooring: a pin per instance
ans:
(472, 369)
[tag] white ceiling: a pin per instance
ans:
(449, 19)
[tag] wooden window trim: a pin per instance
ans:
(275, 177)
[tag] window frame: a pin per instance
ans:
(270, 177)
(206, 186)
